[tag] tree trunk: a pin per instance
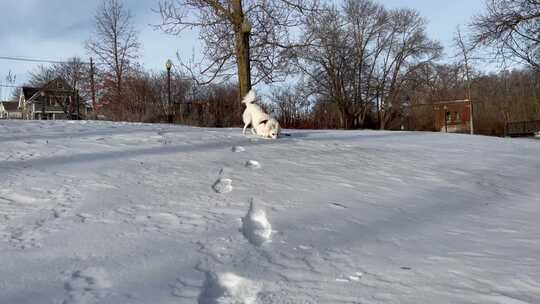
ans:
(378, 111)
(242, 31)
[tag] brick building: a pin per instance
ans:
(452, 116)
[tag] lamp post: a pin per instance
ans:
(42, 104)
(168, 65)
(445, 119)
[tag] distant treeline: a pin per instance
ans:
(356, 64)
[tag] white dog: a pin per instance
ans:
(261, 123)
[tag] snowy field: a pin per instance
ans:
(100, 212)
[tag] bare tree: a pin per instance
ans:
(291, 108)
(74, 71)
(499, 98)
(42, 75)
(361, 55)
(511, 28)
(326, 61)
(10, 81)
(252, 36)
(115, 43)
(368, 21)
(409, 49)
(465, 52)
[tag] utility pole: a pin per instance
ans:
(471, 113)
(471, 107)
(78, 105)
(168, 65)
(92, 85)
(378, 111)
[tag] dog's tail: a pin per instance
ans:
(250, 97)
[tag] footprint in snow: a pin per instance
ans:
(253, 164)
(185, 288)
(228, 288)
(61, 210)
(25, 239)
(238, 149)
(159, 221)
(84, 217)
(338, 205)
(351, 278)
(223, 185)
(29, 234)
(87, 286)
(224, 171)
(255, 225)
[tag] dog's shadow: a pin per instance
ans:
(299, 134)
(285, 135)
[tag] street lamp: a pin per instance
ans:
(168, 66)
(445, 119)
(42, 104)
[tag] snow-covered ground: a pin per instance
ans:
(100, 212)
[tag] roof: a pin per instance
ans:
(58, 84)
(10, 106)
(28, 92)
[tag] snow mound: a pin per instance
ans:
(253, 164)
(238, 149)
(228, 288)
(223, 185)
(17, 198)
(255, 226)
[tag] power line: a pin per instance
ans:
(36, 60)
(9, 86)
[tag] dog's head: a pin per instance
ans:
(269, 129)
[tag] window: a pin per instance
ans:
(458, 117)
(448, 117)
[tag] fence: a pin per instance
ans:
(522, 128)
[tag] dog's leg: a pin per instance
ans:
(253, 131)
(245, 127)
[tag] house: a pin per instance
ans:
(10, 110)
(452, 116)
(55, 100)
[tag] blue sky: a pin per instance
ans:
(443, 16)
(57, 29)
